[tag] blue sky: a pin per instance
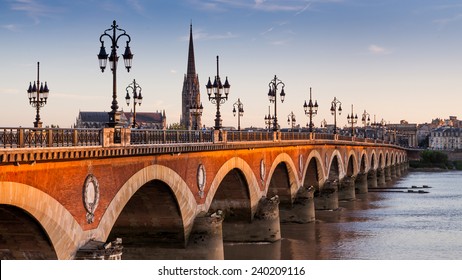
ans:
(396, 59)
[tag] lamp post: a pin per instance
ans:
(334, 110)
(375, 125)
(383, 125)
(291, 120)
(220, 95)
(239, 112)
(364, 120)
(268, 119)
(273, 88)
(196, 110)
(311, 111)
(352, 119)
(38, 95)
(137, 98)
(114, 115)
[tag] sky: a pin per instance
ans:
(396, 59)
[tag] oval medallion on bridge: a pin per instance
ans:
(201, 176)
(90, 196)
(300, 164)
(262, 170)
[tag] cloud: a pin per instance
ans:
(200, 35)
(34, 9)
(445, 21)
(135, 4)
(377, 50)
(11, 27)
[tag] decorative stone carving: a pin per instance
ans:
(90, 196)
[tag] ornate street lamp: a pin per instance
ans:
(196, 110)
(375, 125)
(334, 110)
(239, 112)
(352, 120)
(291, 120)
(137, 98)
(273, 88)
(114, 115)
(383, 124)
(364, 120)
(220, 95)
(311, 111)
(268, 119)
(38, 96)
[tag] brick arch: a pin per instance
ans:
(186, 201)
(314, 154)
(355, 166)
(64, 232)
(373, 160)
(341, 167)
(381, 160)
(294, 181)
(366, 162)
(244, 167)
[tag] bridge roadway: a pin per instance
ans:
(173, 194)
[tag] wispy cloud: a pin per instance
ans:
(200, 35)
(445, 21)
(11, 27)
(34, 9)
(135, 5)
(377, 50)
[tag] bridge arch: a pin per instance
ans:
(352, 164)
(363, 162)
(185, 199)
(241, 168)
(281, 162)
(62, 229)
(373, 160)
(336, 168)
(314, 172)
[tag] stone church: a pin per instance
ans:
(190, 96)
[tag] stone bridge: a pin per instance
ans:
(170, 194)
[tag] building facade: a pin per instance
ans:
(446, 138)
(191, 92)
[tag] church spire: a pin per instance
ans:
(191, 61)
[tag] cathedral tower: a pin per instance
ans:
(191, 93)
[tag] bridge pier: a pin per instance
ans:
(381, 177)
(302, 210)
(206, 238)
(372, 178)
(398, 170)
(393, 172)
(387, 170)
(361, 183)
(265, 225)
(346, 189)
(327, 197)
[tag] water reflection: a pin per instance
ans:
(377, 225)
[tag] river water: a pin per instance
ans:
(377, 226)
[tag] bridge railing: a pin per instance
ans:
(48, 137)
(148, 136)
(237, 136)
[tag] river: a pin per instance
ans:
(377, 226)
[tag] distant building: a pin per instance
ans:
(446, 138)
(151, 120)
(405, 134)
